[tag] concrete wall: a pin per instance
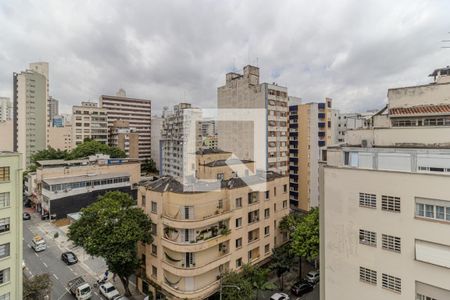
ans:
(6, 132)
(419, 95)
(60, 137)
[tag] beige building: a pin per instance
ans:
(60, 137)
(124, 137)
(137, 112)
(11, 228)
(6, 109)
(7, 134)
(157, 122)
(244, 92)
(385, 204)
(230, 221)
(310, 130)
(89, 122)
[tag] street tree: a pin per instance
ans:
(92, 147)
(149, 166)
(111, 228)
(282, 259)
(37, 287)
(258, 277)
(236, 287)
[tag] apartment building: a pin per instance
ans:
(245, 92)
(199, 235)
(124, 137)
(53, 109)
(385, 205)
(157, 122)
(6, 109)
(30, 89)
(60, 137)
(11, 253)
(89, 122)
(7, 134)
(61, 187)
(310, 130)
(178, 143)
(138, 112)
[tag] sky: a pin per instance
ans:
(173, 51)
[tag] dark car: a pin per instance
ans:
(26, 216)
(69, 258)
(301, 288)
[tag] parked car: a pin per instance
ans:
(301, 288)
(26, 216)
(279, 296)
(120, 298)
(313, 277)
(69, 258)
(108, 291)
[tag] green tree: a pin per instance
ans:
(111, 228)
(92, 147)
(305, 237)
(236, 287)
(258, 278)
(36, 287)
(282, 258)
(149, 166)
(47, 154)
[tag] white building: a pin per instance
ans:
(385, 202)
(89, 122)
(157, 122)
(6, 109)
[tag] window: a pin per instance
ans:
(367, 275)
(220, 176)
(4, 276)
(238, 202)
(439, 212)
(220, 204)
(253, 235)
(267, 248)
(4, 199)
(252, 197)
(239, 262)
(154, 250)
(368, 238)
(154, 271)
(429, 211)
(7, 297)
(4, 174)
(253, 216)
(274, 191)
(390, 203)
(389, 242)
(391, 283)
(418, 297)
(367, 200)
(266, 230)
(285, 204)
(154, 229)
(267, 213)
(250, 255)
(143, 200)
(238, 243)
(4, 250)
(154, 207)
(267, 195)
(238, 222)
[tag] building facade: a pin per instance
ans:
(198, 236)
(138, 112)
(89, 122)
(310, 130)
(7, 134)
(60, 137)
(53, 109)
(385, 208)
(157, 122)
(6, 109)
(30, 89)
(124, 137)
(245, 92)
(11, 226)
(65, 186)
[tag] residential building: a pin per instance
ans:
(178, 144)
(6, 109)
(7, 134)
(65, 186)
(208, 128)
(58, 121)
(138, 112)
(60, 137)
(199, 234)
(53, 108)
(125, 138)
(89, 122)
(210, 142)
(350, 121)
(310, 130)
(157, 122)
(244, 92)
(30, 89)
(385, 204)
(11, 237)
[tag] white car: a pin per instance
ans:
(313, 277)
(108, 290)
(279, 296)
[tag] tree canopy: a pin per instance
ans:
(36, 287)
(236, 287)
(305, 237)
(149, 166)
(111, 228)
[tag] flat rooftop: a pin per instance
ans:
(80, 178)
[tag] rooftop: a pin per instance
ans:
(420, 110)
(211, 151)
(227, 162)
(80, 178)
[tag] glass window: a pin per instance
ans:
(447, 213)
(420, 211)
(4, 250)
(4, 276)
(4, 225)
(4, 199)
(440, 212)
(4, 174)
(429, 211)
(238, 202)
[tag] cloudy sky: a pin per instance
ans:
(172, 51)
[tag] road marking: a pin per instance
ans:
(54, 275)
(36, 254)
(45, 264)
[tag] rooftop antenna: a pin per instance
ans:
(446, 41)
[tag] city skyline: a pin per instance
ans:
(158, 52)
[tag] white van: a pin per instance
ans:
(38, 244)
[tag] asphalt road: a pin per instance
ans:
(49, 261)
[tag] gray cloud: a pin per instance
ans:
(170, 51)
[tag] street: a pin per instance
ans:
(49, 261)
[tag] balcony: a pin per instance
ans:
(200, 293)
(197, 270)
(177, 220)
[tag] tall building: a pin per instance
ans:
(60, 137)
(53, 108)
(124, 137)
(385, 205)
(138, 112)
(350, 121)
(89, 122)
(11, 237)
(310, 130)
(157, 122)
(30, 89)
(244, 92)
(198, 236)
(176, 152)
(6, 109)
